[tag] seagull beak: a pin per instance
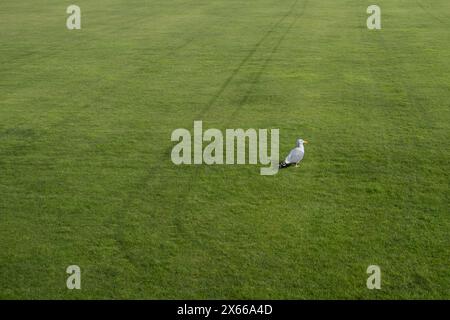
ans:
(305, 141)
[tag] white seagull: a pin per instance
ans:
(295, 156)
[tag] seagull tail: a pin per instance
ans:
(283, 165)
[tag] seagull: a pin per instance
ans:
(295, 156)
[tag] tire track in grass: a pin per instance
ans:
(119, 217)
(428, 12)
(252, 52)
(264, 66)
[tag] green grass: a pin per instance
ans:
(85, 170)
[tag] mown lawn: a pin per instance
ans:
(85, 171)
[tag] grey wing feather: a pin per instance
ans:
(295, 156)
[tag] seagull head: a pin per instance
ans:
(300, 142)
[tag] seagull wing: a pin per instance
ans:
(295, 156)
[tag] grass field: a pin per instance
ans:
(85, 172)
